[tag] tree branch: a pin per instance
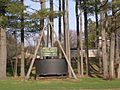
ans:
(104, 3)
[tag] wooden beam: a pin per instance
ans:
(35, 53)
(66, 59)
(65, 55)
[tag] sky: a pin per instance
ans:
(72, 15)
(72, 22)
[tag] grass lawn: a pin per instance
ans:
(60, 84)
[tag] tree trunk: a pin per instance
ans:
(52, 21)
(97, 37)
(15, 67)
(104, 57)
(42, 3)
(60, 30)
(78, 38)
(117, 58)
(112, 46)
(112, 56)
(22, 44)
(16, 52)
(3, 53)
(66, 32)
(86, 39)
(96, 17)
(104, 48)
(42, 20)
(67, 39)
(63, 9)
(118, 71)
(81, 46)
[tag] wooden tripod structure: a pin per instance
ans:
(37, 47)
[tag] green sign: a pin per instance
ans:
(52, 51)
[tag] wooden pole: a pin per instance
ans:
(35, 53)
(67, 59)
(69, 64)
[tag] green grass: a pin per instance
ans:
(60, 84)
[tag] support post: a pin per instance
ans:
(66, 57)
(35, 53)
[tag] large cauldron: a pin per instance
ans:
(51, 67)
